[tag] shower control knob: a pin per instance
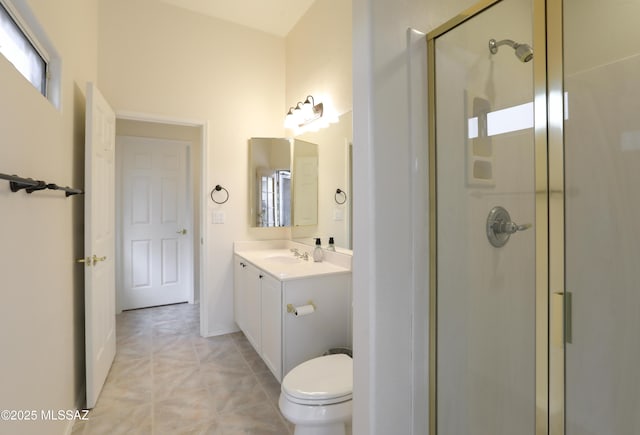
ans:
(500, 227)
(509, 227)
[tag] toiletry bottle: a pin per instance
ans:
(318, 254)
(331, 246)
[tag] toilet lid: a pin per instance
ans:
(322, 380)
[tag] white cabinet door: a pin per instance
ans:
(239, 291)
(272, 325)
(252, 304)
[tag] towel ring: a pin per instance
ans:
(218, 188)
(344, 195)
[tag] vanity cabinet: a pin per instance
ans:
(281, 338)
(257, 301)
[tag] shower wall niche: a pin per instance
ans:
(479, 145)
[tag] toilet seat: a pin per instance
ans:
(320, 381)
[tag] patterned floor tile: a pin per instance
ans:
(168, 380)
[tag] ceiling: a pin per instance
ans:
(272, 16)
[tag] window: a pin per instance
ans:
(514, 118)
(18, 49)
(275, 197)
(25, 45)
(506, 120)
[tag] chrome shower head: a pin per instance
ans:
(524, 52)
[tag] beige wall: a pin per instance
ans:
(188, 66)
(319, 57)
(42, 309)
(157, 59)
(333, 173)
(161, 60)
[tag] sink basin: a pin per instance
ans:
(283, 259)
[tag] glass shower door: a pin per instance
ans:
(486, 260)
(602, 217)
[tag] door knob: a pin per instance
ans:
(182, 231)
(86, 260)
(91, 261)
(500, 227)
(96, 259)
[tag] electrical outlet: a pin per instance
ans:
(217, 217)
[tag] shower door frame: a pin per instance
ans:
(549, 212)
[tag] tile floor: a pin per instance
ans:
(166, 379)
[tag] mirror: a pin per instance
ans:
(282, 194)
(286, 194)
(269, 182)
(305, 183)
(334, 172)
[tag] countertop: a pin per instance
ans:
(283, 265)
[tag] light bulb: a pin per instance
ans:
(290, 119)
(307, 110)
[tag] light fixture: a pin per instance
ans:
(303, 114)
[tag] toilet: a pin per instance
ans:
(316, 395)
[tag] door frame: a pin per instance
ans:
(202, 212)
(549, 214)
(549, 34)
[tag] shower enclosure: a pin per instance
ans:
(535, 230)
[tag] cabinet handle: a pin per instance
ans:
(260, 276)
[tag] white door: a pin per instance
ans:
(157, 241)
(100, 312)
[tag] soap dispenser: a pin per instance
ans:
(318, 254)
(331, 246)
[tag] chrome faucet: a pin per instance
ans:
(295, 251)
(305, 256)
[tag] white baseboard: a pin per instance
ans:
(69, 428)
(80, 401)
(221, 332)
